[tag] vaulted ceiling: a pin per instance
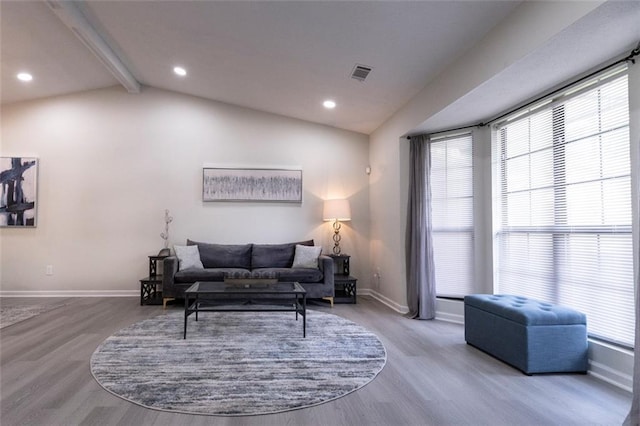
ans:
(281, 57)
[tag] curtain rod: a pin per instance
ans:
(629, 58)
(449, 130)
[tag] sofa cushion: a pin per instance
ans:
(301, 275)
(192, 275)
(275, 255)
(188, 257)
(224, 255)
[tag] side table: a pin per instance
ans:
(153, 265)
(151, 290)
(151, 286)
(344, 284)
(345, 288)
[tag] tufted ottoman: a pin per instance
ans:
(533, 336)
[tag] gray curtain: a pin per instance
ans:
(421, 291)
(633, 418)
(634, 115)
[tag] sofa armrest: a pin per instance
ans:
(327, 266)
(169, 269)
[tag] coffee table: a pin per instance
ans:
(204, 296)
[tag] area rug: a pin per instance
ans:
(10, 315)
(237, 363)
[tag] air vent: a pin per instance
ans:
(360, 72)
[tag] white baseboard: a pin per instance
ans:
(611, 376)
(611, 364)
(450, 311)
(401, 309)
(446, 310)
(72, 293)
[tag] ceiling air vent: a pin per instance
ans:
(360, 72)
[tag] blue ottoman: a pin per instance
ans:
(533, 336)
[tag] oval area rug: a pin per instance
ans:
(237, 363)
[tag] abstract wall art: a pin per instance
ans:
(237, 184)
(18, 191)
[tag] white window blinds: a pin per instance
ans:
(451, 179)
(564, 232)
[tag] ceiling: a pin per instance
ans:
(609, 32)
(281, 57)
(287, 57)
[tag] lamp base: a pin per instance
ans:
(336, 237)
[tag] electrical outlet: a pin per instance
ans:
(375, 283)
(376, 279)
(49, 270)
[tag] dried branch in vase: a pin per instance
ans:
(165, 235)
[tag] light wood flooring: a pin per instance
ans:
(431, 378)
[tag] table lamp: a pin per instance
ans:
(336, 211)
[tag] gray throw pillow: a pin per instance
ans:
(306, 256)
(188, 257)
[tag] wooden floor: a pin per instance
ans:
(431, 378)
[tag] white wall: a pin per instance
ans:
(535, 23)
(526, 29)
(111, 162)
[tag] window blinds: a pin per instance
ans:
(451, 179)
(564, 205)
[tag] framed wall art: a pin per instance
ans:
(18, 191)
(240, 184)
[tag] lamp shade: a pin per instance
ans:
(336, 210)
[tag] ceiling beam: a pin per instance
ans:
(73, 18)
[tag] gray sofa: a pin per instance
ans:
(249, 261)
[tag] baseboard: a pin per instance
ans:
(72, 293)
(612, 364)
(611, 376)
(401, 309)
(446, 310)
(443, 316)
(450, 311)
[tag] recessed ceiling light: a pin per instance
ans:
(329, 104)
(180, 71)
(24, 76)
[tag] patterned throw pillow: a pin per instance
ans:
(188, 257)
(306, 256)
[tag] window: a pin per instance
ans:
(452, 214)
(564, 225)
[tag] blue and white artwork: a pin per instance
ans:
(18, 191)
(276, 185)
